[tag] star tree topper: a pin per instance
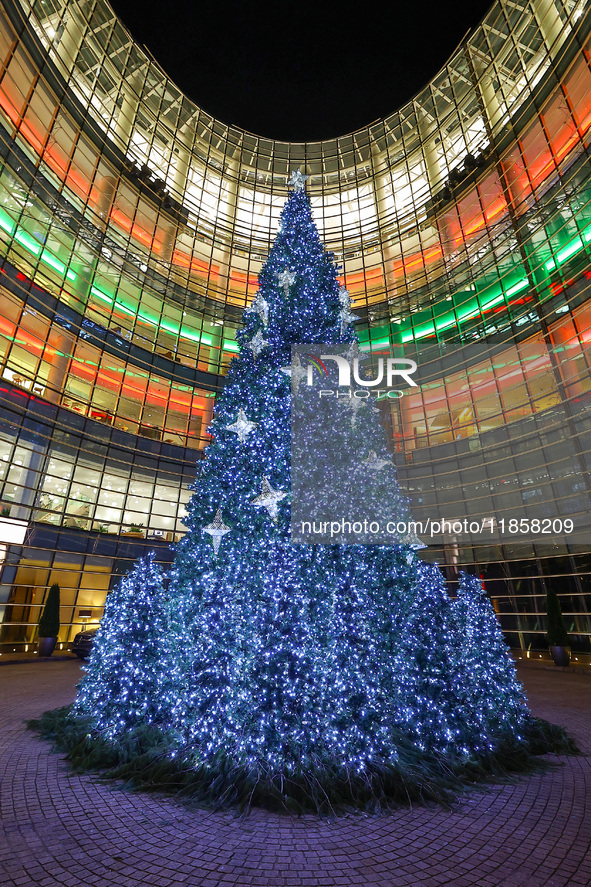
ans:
(217, 529)
(242, 426)
(298, 180)
(269, 499)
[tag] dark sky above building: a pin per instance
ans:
(300, 71)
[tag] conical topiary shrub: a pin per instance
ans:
(556, 632)
(49, 622)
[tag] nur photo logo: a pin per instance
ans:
(387, 370)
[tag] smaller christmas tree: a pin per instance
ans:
(491, 698)
(423, 659)
(126, 679)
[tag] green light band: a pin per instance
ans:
(570, 250)
(30, 244)
(182, 331)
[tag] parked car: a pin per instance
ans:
(83, 643)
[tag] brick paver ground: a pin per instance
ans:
(61, 829)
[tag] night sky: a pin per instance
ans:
(296, 71)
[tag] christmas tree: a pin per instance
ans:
(263, 615)
(484, 676)
(126, 679)
(304, 659)
(313, 675)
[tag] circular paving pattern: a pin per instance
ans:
(63, 829)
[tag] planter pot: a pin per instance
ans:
(47, 646)
(560, 655)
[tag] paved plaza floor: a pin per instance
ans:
(62, 829)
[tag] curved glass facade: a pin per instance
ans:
(132, 229)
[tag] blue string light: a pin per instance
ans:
(282, 657)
